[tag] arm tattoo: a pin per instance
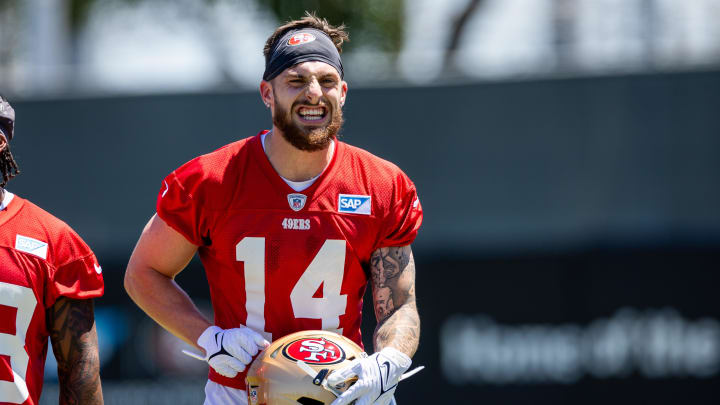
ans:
(393, 280)
(71, 323)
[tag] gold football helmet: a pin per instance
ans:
(293, 370)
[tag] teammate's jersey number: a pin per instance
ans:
(326, 269)
(13, 346)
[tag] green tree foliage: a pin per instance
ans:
(374, 24)
(79, 10)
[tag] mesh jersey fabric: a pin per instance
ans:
(276, 269)
(41, 259)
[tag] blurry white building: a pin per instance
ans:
(178, 46)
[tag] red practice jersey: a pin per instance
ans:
(41, 259)
(281, 261)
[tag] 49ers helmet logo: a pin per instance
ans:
(314, 351)
(301, 38)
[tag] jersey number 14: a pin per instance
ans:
(326, 269)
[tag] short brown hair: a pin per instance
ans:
(337, 34)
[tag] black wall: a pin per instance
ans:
(542, 164)
(571, 239)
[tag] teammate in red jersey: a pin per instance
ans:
(48, 277)
(290, 225)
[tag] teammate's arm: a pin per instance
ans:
(393, 282)
(71, 324)
(160, 254)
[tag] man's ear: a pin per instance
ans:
(266, 93)
(343, 92)
(3, 142)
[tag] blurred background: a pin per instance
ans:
(567, 154)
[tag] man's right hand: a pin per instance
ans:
(229, 351)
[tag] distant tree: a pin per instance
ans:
(8, 34)
(375, 24)
(563, 19)
(457, 29)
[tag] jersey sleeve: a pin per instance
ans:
(77, 273)
(404, 217)
(179, 205)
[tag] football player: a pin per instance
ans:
(291, 226)
(48, 277)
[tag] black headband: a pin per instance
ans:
(301, 45)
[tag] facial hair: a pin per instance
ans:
(309, 140)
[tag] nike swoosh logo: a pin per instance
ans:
(387, 375)
(383, 381)
(166, 189)
(98, 269)
(220, 345)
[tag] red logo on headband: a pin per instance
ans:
(302, 38)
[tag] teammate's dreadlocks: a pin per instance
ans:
(8, 166)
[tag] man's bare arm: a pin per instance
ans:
(71, 323)
(160, 254)
(393, 281)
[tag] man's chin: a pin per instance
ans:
(307, 129)
(308, 140)
(318, 138)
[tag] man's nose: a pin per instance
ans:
(314, 91)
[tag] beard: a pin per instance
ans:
(309, 139)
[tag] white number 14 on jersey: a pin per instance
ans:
(326, 269)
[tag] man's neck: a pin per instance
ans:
(292, 163)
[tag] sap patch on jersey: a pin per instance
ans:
(32, 246)
(354, 204)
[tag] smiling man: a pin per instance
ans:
(291, 225)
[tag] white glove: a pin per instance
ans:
(378, 376)
(228, 351)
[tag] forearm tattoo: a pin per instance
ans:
(393, 280)
(74, 340)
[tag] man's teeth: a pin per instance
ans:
(312, 114)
